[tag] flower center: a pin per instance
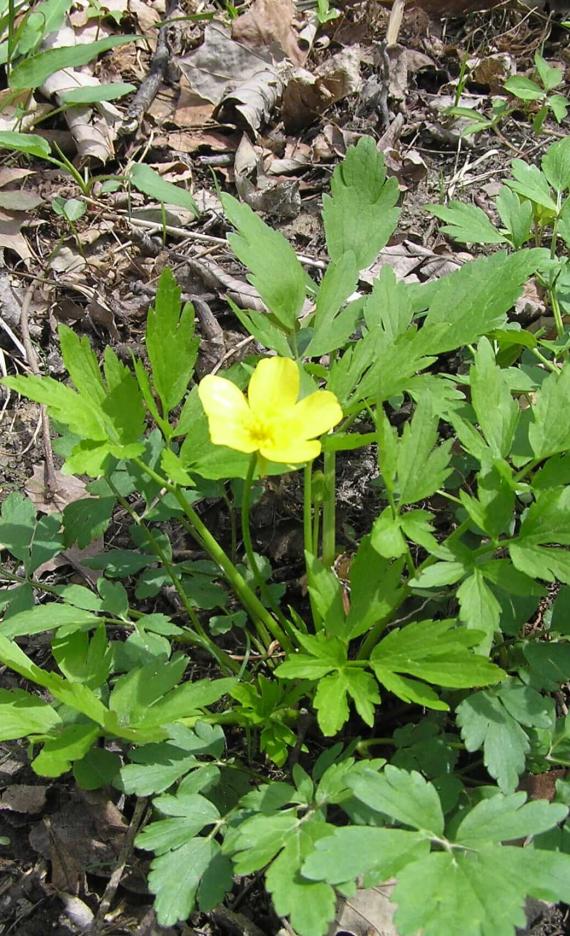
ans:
(261, 432)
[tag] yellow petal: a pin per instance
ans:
(295, 452)
(273, 387)
(316, 414)
(229, 416)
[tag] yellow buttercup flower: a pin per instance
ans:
(270, 421)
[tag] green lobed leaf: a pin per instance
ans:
(274, 269)
(474, 300)
(516, 215)
(171, 342)
(550, 76)
(388, 306)
(466, 224)
(549, 431)
(331, 698)
(458, 893)
(499, 421)
(335, 322)
(353, 851)
(17, 525)
(546, 521)
(174, 878)
(23, 714)
(66, 406)
(524, 88)
(360, 214)
(71, 743)
(87, 519)
(417, 445)
(97, 769)
(506, 818)
(486, 723)
(479, 608)
(190, 814)
(531, 183)
(47, 617)
(376, 589)
(403, 795)
(436, 652)
(309, 905)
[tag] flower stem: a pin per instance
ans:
(248, 545)
(329, 509)
(201, 533)
(307, 508)
(196, 633)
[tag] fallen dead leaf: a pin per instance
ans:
(10, 236)
(270, 23)
(66, 260)
(86, 834)
(307, 95)
(94, 128)
(24, 798)
(369, 913)
(249, 105)
(492, 71)
(217, 62)
(69, 489)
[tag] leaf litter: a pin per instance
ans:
(253, 101)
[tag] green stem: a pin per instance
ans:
(556, 312)
(248, 545)
(329, 509)
(450, 497)
(197, 632)
(316, 526)
(307, 508)
(233, 525)
(544, 360)
(201, 533)
(534, 463)
(249, 550)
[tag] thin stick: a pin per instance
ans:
(150, 85)
(115, 879)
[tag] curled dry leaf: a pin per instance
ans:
(307, 95)
(270, 23)
(93, 128)
(492, 70)
(250, 104)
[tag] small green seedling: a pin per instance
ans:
(536, 92)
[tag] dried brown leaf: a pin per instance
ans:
(369, 913)
(270, 23)
(24, 798)
(69, 489)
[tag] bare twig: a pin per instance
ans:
(395, 22)
(150, 85)
(115, 879)
(186, 234)
(49, 467)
